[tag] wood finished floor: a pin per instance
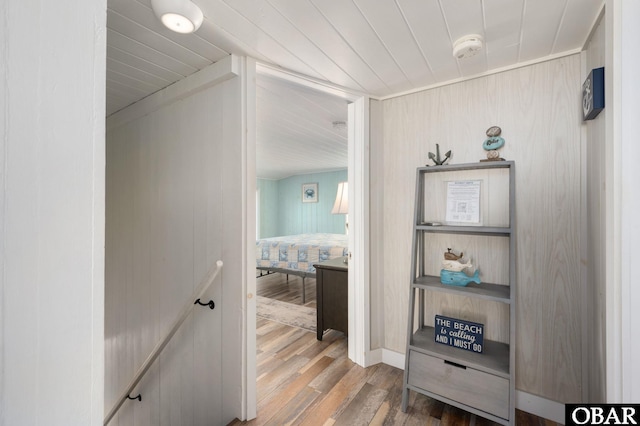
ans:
(303, 381)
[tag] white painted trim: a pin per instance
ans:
(310, 82)
(216, 73)
(358, 172)
(482, 74)
(249, 397)
(586, 295)
(98, 242)
(629, 91)
(355, 345)
(392, 358)
(374, 357)
(614, 374)
(530, 403)
(539, 406)
(4, 146)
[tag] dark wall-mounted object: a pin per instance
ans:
(593, 94)
(210, 303)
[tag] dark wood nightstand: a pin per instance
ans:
(332, 295)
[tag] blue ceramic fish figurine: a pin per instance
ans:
(459, 279)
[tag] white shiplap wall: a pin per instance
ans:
(539, 111)
(296, 217)
(52, 108)
(172, 211)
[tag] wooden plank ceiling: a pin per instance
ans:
(381, 48)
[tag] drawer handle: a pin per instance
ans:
(464, 367)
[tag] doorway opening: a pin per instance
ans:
(301, 160)
(287, 89)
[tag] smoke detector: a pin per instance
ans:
(467, 46)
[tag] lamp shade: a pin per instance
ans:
(181, 16)
(341, 205)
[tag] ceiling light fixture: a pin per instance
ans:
(181, 16)
(467, 46)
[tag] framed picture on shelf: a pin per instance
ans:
(309, 192)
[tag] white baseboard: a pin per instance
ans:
(393, 359)
(533, 404)
(373, 357)
(539, 406)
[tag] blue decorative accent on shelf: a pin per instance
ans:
(459, 279)
(495, 142)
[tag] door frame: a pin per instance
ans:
(358, 177)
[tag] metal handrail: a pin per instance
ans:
(184, 313)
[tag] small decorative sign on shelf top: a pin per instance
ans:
(493, 143)
(436, 157)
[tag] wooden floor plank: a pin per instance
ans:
(385, 377)
(382, 413)
(263, 326)
(282, 373)
(304, 381)
(363, 407)
(327, 345)
(276, 401)
(421, 411)
(455, 416)
(285, 337)
(332, 375)
(340, 395)
(296, 347)
(267, 365)
(395, 416)
(294, 408)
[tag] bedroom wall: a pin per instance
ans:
(175, 205)
(282, 211)
(538, 108)
(269, 208)
(295, 217)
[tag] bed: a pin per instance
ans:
(296, 254)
